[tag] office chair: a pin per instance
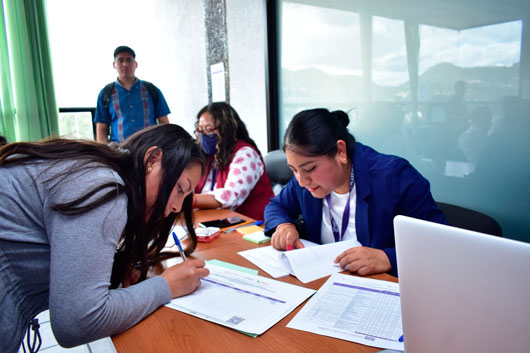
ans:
(466, 218)
(277, 170)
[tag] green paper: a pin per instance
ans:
(257, 237)
(254, 335)
(233, 267)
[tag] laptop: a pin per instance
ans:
(462, 291)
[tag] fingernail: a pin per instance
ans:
(289, 247)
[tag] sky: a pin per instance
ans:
(330, 40)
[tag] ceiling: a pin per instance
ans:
(452, 14)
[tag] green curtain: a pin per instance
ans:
(29, 111)
(7, 110)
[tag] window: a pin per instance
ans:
(445, 91)
(390, 74)
(320, 62)
(167, 36)
(76, 125)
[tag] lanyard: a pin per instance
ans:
(214, 177)
(345, 216)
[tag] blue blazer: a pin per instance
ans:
(386, 186)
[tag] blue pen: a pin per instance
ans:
(256, 223)
(179, 246)
(401, 338)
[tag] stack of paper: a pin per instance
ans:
(241, 301)
(307, 264)
(356, 309)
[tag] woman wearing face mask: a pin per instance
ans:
(235, 175)
(345, 191)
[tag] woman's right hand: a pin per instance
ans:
(185, 277)
(286, 237)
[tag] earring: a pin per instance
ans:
(149, 169)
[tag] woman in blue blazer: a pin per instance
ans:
(345, 190)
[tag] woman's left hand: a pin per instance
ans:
(364, 261)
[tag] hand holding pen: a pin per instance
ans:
(186, 277)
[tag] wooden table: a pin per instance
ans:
(168, 330)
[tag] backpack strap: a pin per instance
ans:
(105, 97)
(153, 92)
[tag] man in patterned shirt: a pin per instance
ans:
(128, 104)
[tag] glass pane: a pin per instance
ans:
(469, 112)
(390, 75)
(381, 124)
(76, 125)
(320, 61)
(467, 126)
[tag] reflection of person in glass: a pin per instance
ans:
(235, 177)
(455, 120)
(456, 109)
(472, 141)
(345, 191)
(504, 167)
(381, 126)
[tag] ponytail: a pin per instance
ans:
(315, 132)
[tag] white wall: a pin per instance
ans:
(181, 68)
(247, 40)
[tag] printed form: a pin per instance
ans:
(356, 309)
(241, 301)
(307, 264)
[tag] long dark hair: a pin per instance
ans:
(315, 132)
(230, 129)
(142, 241)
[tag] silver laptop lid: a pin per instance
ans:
(462, 291)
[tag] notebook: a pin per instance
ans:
(462, 291)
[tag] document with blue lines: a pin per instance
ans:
(357, 309)
(241, 301)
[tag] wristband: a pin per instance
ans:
(194, 203)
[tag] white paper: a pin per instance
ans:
(458, 169)
(182, 233)
(180, 230)
(217, 72)
(307, 264)
(356, 309)
(240, 300)
(271, 260)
